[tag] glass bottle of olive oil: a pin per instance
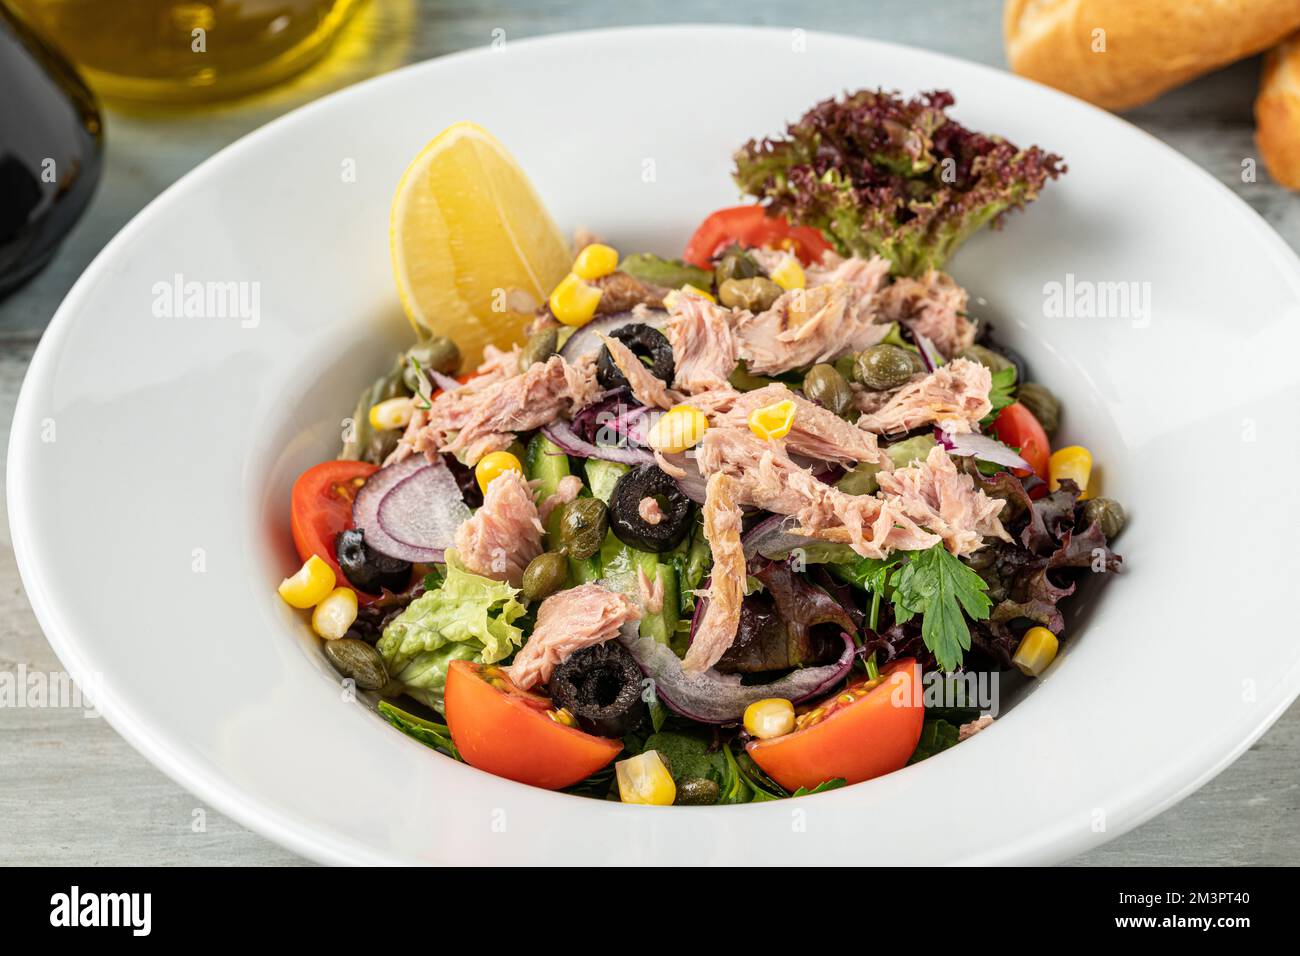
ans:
(51, 148)
(187, 51)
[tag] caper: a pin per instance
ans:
(755, 294)
(1107, 513)
(909, 452)
(438, 353)
(991, 360)
(735, 263)
(883, 366)
(583, 523)
(742, 380)
(827, 388)
(697, 792)
(380, 446)
(845, 365)
(539, 347)
(545, 574)
(357, 660)
(1042, 403)
(861, 480)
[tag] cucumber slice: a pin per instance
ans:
(545, 463)
(584, 572)
(621, 568)
(662, 625)
(602, 476)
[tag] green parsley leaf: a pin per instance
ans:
(1002, 393)
(871, 575)
(938, 586)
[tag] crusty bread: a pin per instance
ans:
(1277, 113)
(1150, 45)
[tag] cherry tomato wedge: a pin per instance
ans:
(322, 507)
(1016, 426)
(751, 227)
(868, 729)
(510, 732)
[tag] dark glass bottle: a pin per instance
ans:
(51, 145)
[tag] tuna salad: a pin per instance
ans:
(748, 524)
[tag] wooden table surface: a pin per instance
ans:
(73, 792)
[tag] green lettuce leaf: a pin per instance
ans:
(467, 617)
(877, 173)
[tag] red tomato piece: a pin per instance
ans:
(752, 228)
(321, 507)
(510, 732)
(867, 730)
(1016, 426)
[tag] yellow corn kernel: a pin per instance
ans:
(1037, 649)
(789, 274)
(334, 615)
(772, 421)
(574, 302)
(394, 413)
(493, 464)
(644, 779)
(595, 261)
(1073, 462)
(770, 717)
(309, 586)
(678, 429)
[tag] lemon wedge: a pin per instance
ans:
(474, 249)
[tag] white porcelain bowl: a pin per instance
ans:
(151, 457)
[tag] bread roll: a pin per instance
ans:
(1277, 113)
(1150, 45)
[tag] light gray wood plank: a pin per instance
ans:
(73, 792)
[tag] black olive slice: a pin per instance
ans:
(647, 344)
(601, 687)
(365, 568)
(647, 481)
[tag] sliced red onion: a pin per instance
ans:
(423, 510)
(693, 483)
(622, 417)
(929, 354)
(365, 510)
(775, 538)
(636, 423)
(714, 698)
(571, 443)
(444, 382)
(983, 447)
(819, 467)
(586, 343)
